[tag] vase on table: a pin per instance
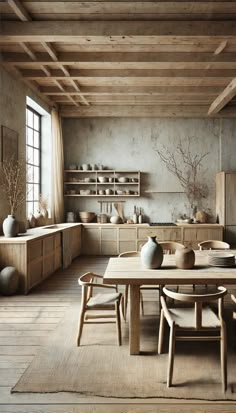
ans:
(151, 254)
(10, 226)
(184, 258)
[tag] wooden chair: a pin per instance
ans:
(169, 247)
(195, 319)
(213, 245)
(101, 301)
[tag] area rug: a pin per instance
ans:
(99, 367)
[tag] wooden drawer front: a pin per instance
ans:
(109, 248)
(48, 265)
(35, 250)
(190, 234)
(48, 245)
(35, 273)
(127, 234)
(91, 234)
(127, 246)
(91, 247)
(108, 234)
(58, 239)
(210, 233)
(57, 259)
(76, 241)
(162, 234)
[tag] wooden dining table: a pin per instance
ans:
(129, 270)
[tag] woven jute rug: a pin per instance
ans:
(99, 367)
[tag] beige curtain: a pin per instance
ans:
(57, 201)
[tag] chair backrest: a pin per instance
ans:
(198, 300)
(169, 247)
(213, 245)
(129, 254)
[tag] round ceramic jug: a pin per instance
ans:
(9, 280)
(10, 226)
(151, 254)
(184, 258)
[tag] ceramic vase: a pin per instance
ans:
(10, 226)
(151, 254)
(184, 258)
(9, 281)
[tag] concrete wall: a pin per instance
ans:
(131, 143)
(12, 115)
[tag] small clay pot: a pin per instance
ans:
(184, 258)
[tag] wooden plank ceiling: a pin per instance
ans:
(124, 58)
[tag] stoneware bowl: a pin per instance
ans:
(86, 216)
(102, 179)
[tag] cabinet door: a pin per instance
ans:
(162, 234)
(91, 244)
(109, 241)
(127, 240)
(35, 272)
(76, 241)
(230, 198)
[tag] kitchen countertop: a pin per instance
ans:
(39, 232)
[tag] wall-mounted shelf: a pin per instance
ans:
(163, 192)
(78, 183)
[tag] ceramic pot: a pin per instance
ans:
(10, 226)
(116, 219)
(9, 281)
(184, 258)
(151, 254)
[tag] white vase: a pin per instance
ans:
(152, 254)
(10, 226)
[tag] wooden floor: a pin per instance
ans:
(25, 324)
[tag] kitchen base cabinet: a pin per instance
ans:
(192, 235)
(91, 241)
(76, 241)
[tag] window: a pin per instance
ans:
(33, 159)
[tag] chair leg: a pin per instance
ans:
(161, 332)
(223, 357)
(171, 356)
(118, 324)
(81, 324)
(141, 303)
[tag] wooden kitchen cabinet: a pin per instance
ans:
(225, 204)
(193, 234)
(127, 239)
(109, 241)
(91, 240)
(76, 241)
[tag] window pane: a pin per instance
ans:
(36, 139)
(30, 173)
(36, 175)
(30, 192)
(30, 208)
(36, 122)
(30, 118)
(36, 157)
(30, 136)
(36, 192)
(30, 155)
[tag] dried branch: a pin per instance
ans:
(13, 182)
(183, 164)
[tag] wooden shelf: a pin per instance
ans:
(94, 186)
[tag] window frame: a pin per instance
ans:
(39, 148)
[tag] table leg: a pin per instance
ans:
(134, 326)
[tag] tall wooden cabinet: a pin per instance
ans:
(226, 204)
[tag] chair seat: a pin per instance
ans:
(103, 299)
(185, 317)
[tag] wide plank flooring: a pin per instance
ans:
(25, 325)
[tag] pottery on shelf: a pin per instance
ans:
(184, 258)
(10, 226)
(116, 219)
(151, 254)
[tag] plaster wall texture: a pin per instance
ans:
(12, 115)
(131, 144)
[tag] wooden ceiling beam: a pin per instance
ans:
(76, 87)
(184, 111)
(51, 51)
(69, 31)
(140, 90)
(221, 47)
(19, 10)
(225, 97)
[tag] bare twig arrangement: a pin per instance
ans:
(185, 165)
(13, 182)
